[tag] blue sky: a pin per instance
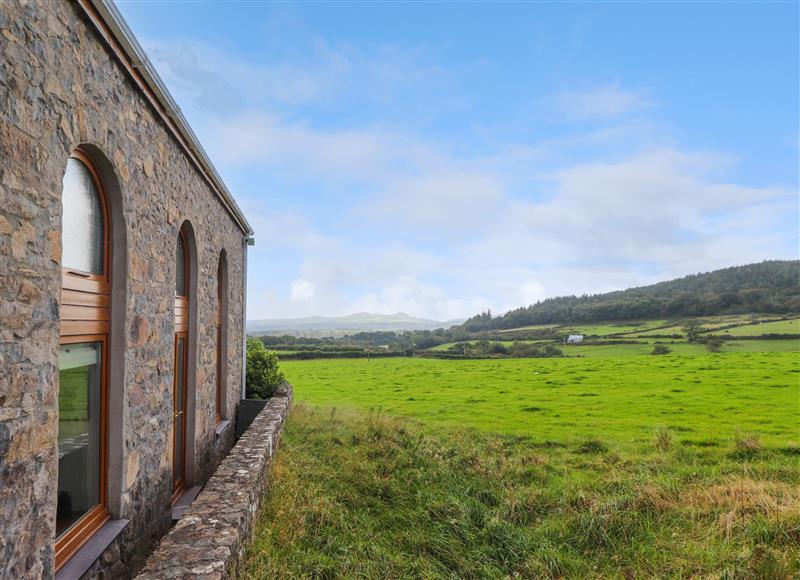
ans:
(439, 159)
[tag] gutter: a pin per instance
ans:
(112, 27)
(249, 241)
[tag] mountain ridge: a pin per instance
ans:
(357, 321)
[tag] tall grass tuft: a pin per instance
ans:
(663, 438)
(593, 446)
(747, 445)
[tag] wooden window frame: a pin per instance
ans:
(181, 331)
(178, 486)
(86, 317)
(218, 414)
(218, 327)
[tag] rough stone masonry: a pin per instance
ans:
(208, 542)
(64, 85)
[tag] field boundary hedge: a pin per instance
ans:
(315, 354)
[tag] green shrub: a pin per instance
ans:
(263, 376)
(497, 348)
(661, 349)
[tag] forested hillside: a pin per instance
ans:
(767, 287)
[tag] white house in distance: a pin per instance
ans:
(575, 339)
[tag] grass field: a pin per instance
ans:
(533, 327)
(776, 327)
(444, 347)
(649, 330)
(733, 319)
(744, 326)
(665, 327)
(612, 329)
(677, 347)
(662, 331)
(609, 463)
(674, 466)
(606, 329)
(707, 397)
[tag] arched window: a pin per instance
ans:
(83, 358)
(179, 392)
(222, 334)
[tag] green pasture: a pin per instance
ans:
(601, 329)
(633, 348)
(744, 326)
(762, 345)
(643, 345)
(662, 331)
(447, 346)
(733, 319)
(776, 327)
(612, 328)
(674, 466)
(706, 397)
(533, 327)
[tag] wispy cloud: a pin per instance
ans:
(387, 216)
(602, 226)
(601, 103)
(217, 80)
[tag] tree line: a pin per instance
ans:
(768, 287)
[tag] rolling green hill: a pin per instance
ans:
(768, 287)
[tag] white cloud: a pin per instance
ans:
(409, 295)
(292, 68)
(643, 218)
(599, 226)
(213, 79)
(451, 198)
(437, 229)
(650, 207)
(255, 137)
(600, 103)
(301, 290)
(410, 182)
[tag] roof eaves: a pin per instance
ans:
(115, 31)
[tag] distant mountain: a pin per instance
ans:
(767, 287)
(337, 325)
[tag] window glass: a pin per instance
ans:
(180, 279)
(219, 372)
(180, 411)
(82, 224)
(78, 432)
(220, 297)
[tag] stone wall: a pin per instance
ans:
(61, 88)
(208, 542)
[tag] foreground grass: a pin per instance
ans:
(358, 494)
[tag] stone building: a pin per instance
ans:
(122, 277)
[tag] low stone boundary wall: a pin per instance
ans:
(209, 540)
